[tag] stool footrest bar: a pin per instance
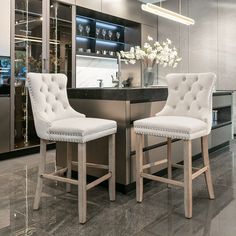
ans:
(154, 164)
(98, 181)
(60, 179)
(182, 166)
(161, 179)
(60, 172)
(92, 165)
(199, 172)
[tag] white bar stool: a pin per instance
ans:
(55, 120)
(187, 115)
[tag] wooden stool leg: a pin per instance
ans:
(188, 178)
(169, 158)
(82, 192)
(205, 154)
(68, 174)
(139, 167)
(41, 171)
(112, 179)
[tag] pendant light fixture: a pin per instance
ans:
(160, 11)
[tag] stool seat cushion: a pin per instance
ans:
(180, 127)
(80, 130)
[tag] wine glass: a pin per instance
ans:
(118, 35)
(104, 32)
(81, 28)
(97, 32)
(87, 29)
(110, 34)
(24, 108)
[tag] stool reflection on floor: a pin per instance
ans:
(187, 115)
(55, 120)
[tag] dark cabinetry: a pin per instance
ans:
(5, 124)
(102, 35)
(222, 110)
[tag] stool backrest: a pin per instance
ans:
(49, 100)
(190, 95)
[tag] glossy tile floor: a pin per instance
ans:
(161, 213)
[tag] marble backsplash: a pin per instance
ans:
(89, 70)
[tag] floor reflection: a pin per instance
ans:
(161, 213)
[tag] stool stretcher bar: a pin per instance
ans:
(92, 165)
(154, 164)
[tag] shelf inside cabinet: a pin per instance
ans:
(108, 42)
(83, 37)
(99, 37)
(104, 41)
(94, 55)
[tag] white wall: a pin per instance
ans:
(5, 18)
(209, 45)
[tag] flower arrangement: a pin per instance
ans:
(153, 53)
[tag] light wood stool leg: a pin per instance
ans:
(169, 158)
(188, 178)
(68, 174)
(205, 154)
(111, 156)
(43, 145)
(82, 192)
(139, 167)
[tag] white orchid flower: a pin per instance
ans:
(153, 53)
(168, 41)
(132, 62)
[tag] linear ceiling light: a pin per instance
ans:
(160, 11)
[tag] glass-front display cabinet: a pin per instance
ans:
(29, 47)
(28, 58)
(99, 34)
(51, 36)
(100, 38)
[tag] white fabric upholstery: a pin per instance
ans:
(54, 118)
(188, 110)
(181, 127)
(81, 129)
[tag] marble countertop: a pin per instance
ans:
(148, 94)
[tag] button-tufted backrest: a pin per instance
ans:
(190, 95)
(49, 100)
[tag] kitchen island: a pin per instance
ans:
(126, 105)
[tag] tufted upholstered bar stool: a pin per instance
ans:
(187, 115)
(55, 120)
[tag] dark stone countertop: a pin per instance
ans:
(133, 95)
(120, 94)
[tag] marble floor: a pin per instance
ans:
(160, 214)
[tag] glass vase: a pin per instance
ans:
(149, 76)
